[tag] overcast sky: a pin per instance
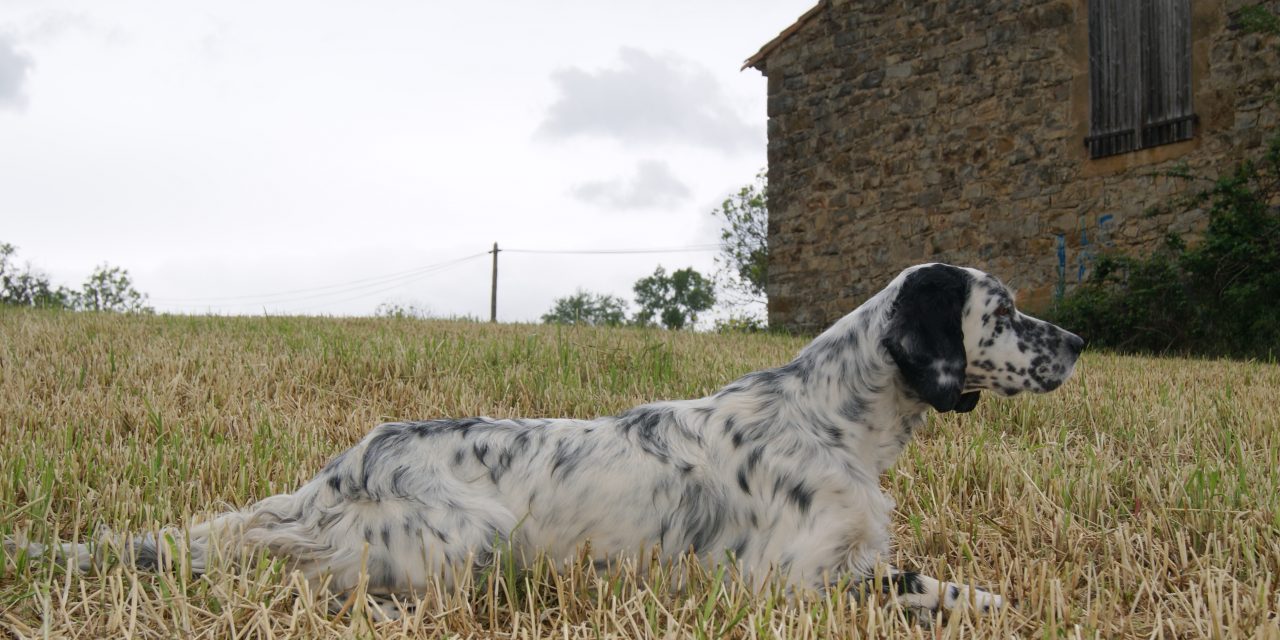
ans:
(239, 156)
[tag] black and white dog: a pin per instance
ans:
(777, 471)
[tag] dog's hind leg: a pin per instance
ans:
(394, 546)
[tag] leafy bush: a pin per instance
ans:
(1218, 297)
(741, 323)
(586, 308)
(106, 289)
(402, 310)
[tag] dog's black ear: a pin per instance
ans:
(925, 338)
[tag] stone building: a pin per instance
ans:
(1023, 137)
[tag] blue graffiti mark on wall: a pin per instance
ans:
(1085, 253)
(1061, 288)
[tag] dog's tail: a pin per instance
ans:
(159, 550)
(262, 526)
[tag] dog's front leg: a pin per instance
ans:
(918, 591)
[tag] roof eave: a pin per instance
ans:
(757, 60)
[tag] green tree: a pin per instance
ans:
(675, 300)
(111, 289)
(586, 308)
(28, 287)
(744, 241)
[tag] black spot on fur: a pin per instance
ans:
(397, 480)
(742, 481)
(429, 428)
(703, 516)
(904, 583)
(568, 455)
(521, 442)
(444, 539)
(801, 496)
(767, 382)
(500, 467)
(854, 407)
(336, 462)
(327, 519)
(647, 424)
(381, 574)
(833, 433)
(144, 553)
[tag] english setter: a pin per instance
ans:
(777, 472)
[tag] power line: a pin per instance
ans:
(342, 287)
(398, 281)
(373, 285)
(392, 287)
(686, 249)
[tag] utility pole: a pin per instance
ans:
(493, 292)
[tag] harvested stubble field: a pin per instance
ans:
(1142, 499)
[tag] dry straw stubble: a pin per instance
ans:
(1142, 499)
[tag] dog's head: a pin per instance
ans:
(954, 332)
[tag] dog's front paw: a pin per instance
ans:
(962, 597)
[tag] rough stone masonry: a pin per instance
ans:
(906, 132)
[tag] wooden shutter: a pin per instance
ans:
(1139, 74)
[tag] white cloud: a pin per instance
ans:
(14, 68)
(648, 99)
(252, 147)
(653, 186)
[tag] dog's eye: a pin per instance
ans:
(1004, 309)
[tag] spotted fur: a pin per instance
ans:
(779, 470)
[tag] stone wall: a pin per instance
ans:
(908, 132)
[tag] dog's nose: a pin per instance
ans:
(1075, 343)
